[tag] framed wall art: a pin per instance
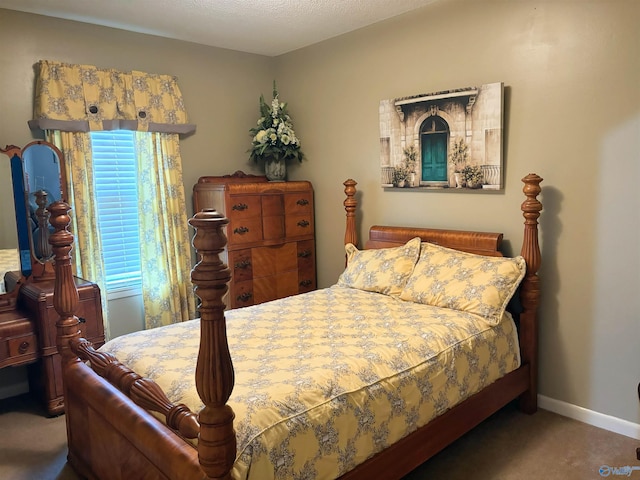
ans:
(443, 140)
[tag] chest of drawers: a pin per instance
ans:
(271, 236)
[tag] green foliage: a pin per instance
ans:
(406, 168)
(459, 155)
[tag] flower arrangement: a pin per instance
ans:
(403, 172)
(273, 137)
(472, 175)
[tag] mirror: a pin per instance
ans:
(38, 180)
(42, 164)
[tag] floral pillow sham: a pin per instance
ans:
(381, 270)
(463, 281)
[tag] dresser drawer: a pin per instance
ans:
(241, 294)
(306, 255)
(241, 265)
(244, 206)
(276, 259)
(298, 203)
(298, 225)
(244, 231)
(275, 286)
(306, 280)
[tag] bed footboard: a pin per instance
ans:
(109, 435)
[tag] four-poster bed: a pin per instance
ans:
(112, 435)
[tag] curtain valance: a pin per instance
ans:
(82, 98)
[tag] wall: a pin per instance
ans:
(572, 75)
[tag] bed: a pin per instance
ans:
(122, 424)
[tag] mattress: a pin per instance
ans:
(326, 379)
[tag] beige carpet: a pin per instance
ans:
(508, 446)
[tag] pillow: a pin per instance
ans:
(381, 270)
(463, 281)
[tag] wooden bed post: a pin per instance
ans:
(530, 289)
(65, 293)
(350, 205)
(214, 370)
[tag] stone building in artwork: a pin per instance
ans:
(435, 124)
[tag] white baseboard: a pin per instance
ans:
(600, 420)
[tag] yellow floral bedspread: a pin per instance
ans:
(326, 379)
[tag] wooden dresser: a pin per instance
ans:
(33, 334)
(271, 241)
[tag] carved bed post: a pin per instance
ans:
(530, 289)
(214, 370)
(350, 205)
(65, 293)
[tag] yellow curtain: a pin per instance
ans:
(85, 98)
(86, 255)
(165, 248)
(71, 100)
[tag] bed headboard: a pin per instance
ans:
(482, 243)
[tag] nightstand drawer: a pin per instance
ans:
(18, 340)
(23, 345)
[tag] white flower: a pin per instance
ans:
(261, 136)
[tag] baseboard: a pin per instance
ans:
(600, 420)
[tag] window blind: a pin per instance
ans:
(115, 179)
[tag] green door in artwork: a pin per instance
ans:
(434, 157)
(434, 133)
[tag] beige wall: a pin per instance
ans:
(572, 77)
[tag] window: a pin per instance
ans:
(115, 179)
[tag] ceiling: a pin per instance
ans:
(266, 27)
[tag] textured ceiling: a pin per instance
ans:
(267, 27)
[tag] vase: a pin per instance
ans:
(275, 169)
(459, 179)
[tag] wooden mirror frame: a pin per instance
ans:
(41, 269)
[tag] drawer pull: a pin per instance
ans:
(24, 346)
(242, 265)
(243, 297)
(240, 207)
(302, 202)
(304, 254)
(240, 230)
(303, 223)
(82, 320)
(306, 283)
